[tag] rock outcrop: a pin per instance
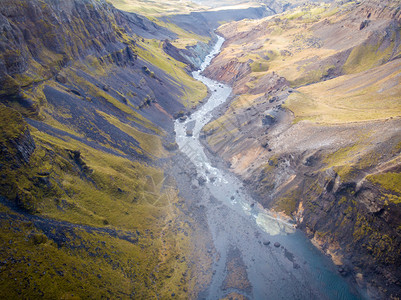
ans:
(41, 38)
(16, 141)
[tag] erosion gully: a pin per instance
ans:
(257, 255)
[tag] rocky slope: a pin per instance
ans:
(87, 96)
(314, 128)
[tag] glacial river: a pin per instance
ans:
(244, 234)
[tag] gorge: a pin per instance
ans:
(274, 260)
(134, 164)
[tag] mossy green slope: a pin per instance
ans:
(102, 224)
(86, 208)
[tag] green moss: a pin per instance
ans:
(362, 228)
(95, 264)
(295, 14)
(315, 188)
(342, 200)
(192, 91)
(378, 244)
(343, 161)
(288, 202)
(17, 182)
(271, 164)
(151, 143)
(397, 148)
(396, 199)
(100, 190)
(95, 66)
(367, 56)
(12, 124)
(309, 13)
(312, 76)
(9, 86)
(185, 38)
(391, 182)
(154, 8)
(321, 235)
(259, 66)
(310, 194)
(345, 172)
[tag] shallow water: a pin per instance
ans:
(295, 270)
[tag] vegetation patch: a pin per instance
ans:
(288, 202)
(367, 56)
(152, 8)
(192, 91)
(389, 181)
(151, 143)
(338, 100)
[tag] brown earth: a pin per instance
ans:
(314, 128)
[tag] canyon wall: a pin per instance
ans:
(314, 128)
(87, 96)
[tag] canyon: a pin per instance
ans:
(106, 191)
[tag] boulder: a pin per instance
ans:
(202, 180)
(268, 120)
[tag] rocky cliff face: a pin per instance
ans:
(314, 128)
(374, 10)
(193, 55)
(40, 38)
(16, 149)
(87, 97)
(17, 142)
(204, 23)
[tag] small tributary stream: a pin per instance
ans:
(246, 236)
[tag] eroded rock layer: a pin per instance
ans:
(315, 130)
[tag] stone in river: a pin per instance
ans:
(277, 244)
(343, 272)
(266, 243)
(202, 180)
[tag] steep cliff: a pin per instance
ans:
(314, 128)
(87, 97)
(203, 24)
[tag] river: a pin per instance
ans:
(257, 255)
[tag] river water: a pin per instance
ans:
(244, 233)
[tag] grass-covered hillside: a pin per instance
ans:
(157, 8)
(86, 209)
(315, 126)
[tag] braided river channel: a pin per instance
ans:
(256, 254)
